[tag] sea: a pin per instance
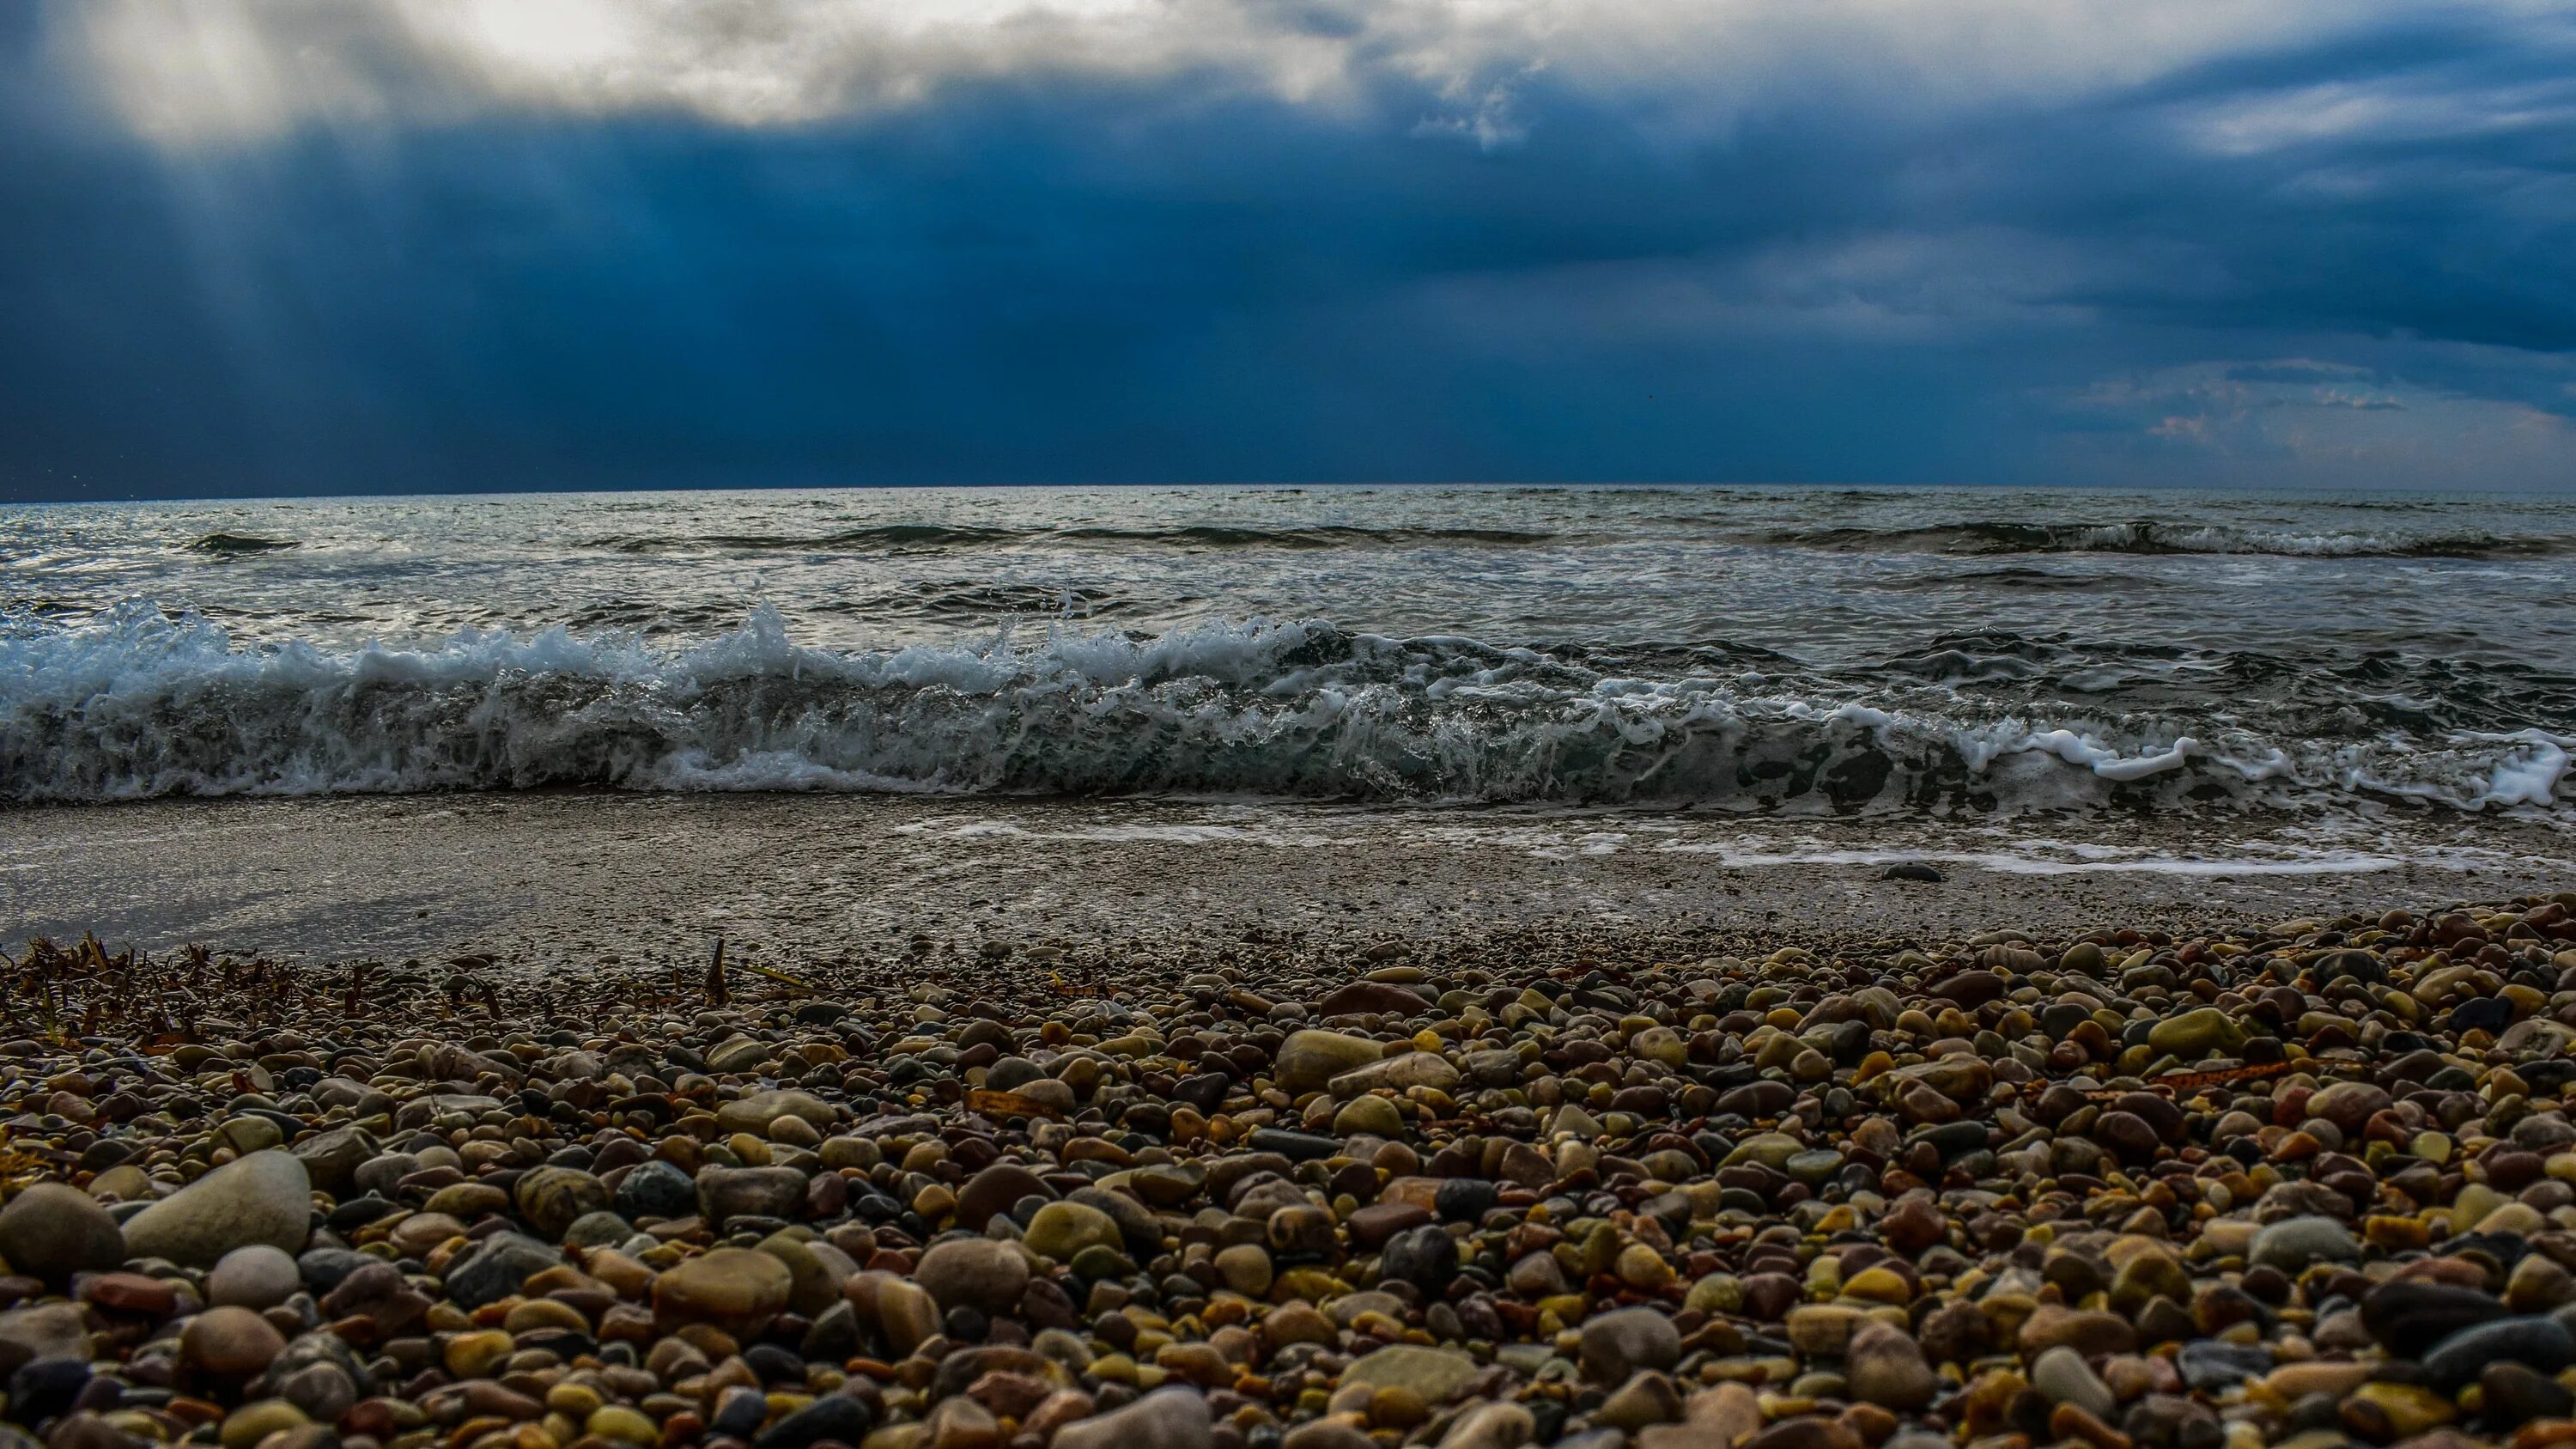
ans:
(1925, 654)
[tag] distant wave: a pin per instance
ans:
(924, 536)
(2022, 578)
(2147, 537)
(239, 543)
(140, 703)
(880, 536)
(2156, 537)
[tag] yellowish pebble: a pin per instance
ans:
(471, 1355)
(576, 1401)
(619, 1424)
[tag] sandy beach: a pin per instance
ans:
(591, 879)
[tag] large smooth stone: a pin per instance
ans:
(2293, 1243)
(1615, 1345)
(726, 1193)
(978, 1273)
(2195, 1034)
(735, 1289)
(263, 1198)
(754, 1113)
(552, 1199)
(2542, 1344)
(1433, 1373)
(1062, 1229)
(2410, 1318)
(51, 1231)
(255, 1277)
(996, 1189)
(1397, 1074)
(230, 1343)
(1309, 1059)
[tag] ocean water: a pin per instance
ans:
(1791, 651)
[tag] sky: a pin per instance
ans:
(358, 246)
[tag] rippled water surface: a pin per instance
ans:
(1799, 650)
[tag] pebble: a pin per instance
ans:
(1062, 1230)
(2512, 1394)
(497, 1268)
(253, 1422)
(1172, 1418)
(1620, 1343)
(42, 1331)
(1434, 1374)
(552, 1199)
(653, 1190)
(2090, 1332)
(734, 1289)
(976, 1273)
(51, 1231)
(229, 1344)
(1883, 1365)
(727, 1193)
(2063, 1376)
(1491, 1426)
(256, 1277)
(2534, 1343)
(1646, 1398)
(1245, 1268)
(1309, 1059)
(2294, 1184)
(2294, 1243)
(264, 1198)
(2194, 1034)
(835, 1418)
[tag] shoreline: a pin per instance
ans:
(590, 878)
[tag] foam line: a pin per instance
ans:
(143, 703)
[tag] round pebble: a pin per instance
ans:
(2274, 1183)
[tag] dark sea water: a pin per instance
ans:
(1921, 653)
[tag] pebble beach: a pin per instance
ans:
(2297, 1182)
(1220, 724)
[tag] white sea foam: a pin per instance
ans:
(141, 703)
(2072, 862)
(2359, 843)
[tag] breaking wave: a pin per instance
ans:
(140, 703)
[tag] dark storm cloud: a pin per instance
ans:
(1031, 272)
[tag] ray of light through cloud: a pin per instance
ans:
(320, 244)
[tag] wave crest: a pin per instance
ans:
(142, 703)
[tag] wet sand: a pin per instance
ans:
(599, 880)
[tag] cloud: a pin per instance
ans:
(298, 245)
(237, 71)
(2305, 420)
